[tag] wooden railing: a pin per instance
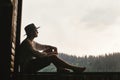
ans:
(70, 76)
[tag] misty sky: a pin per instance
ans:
(77, 27)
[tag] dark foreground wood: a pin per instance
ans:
(70, 76)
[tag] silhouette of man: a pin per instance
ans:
(31, 59)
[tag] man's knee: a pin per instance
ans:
(53, 56)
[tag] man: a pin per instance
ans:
(31, 59)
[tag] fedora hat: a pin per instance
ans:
(31, 27)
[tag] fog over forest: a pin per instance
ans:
(106, 63)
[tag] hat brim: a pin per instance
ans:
(38, 27)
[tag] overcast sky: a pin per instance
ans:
(76, 27)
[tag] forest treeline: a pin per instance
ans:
(102, 63)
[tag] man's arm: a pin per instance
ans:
(45, 48)
(34, 51)
(38, 46)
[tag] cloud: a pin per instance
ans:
(100, 18)
(102, 15)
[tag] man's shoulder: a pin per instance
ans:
(25, 42)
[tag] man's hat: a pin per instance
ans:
(31, 27)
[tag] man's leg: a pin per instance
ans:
(36, 64)
(59, 63)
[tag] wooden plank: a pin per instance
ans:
(71, 76)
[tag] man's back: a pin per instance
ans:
(25, 52)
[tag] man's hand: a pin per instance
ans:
(51, 50)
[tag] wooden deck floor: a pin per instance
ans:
(70, 76)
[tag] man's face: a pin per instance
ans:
(35, 33)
